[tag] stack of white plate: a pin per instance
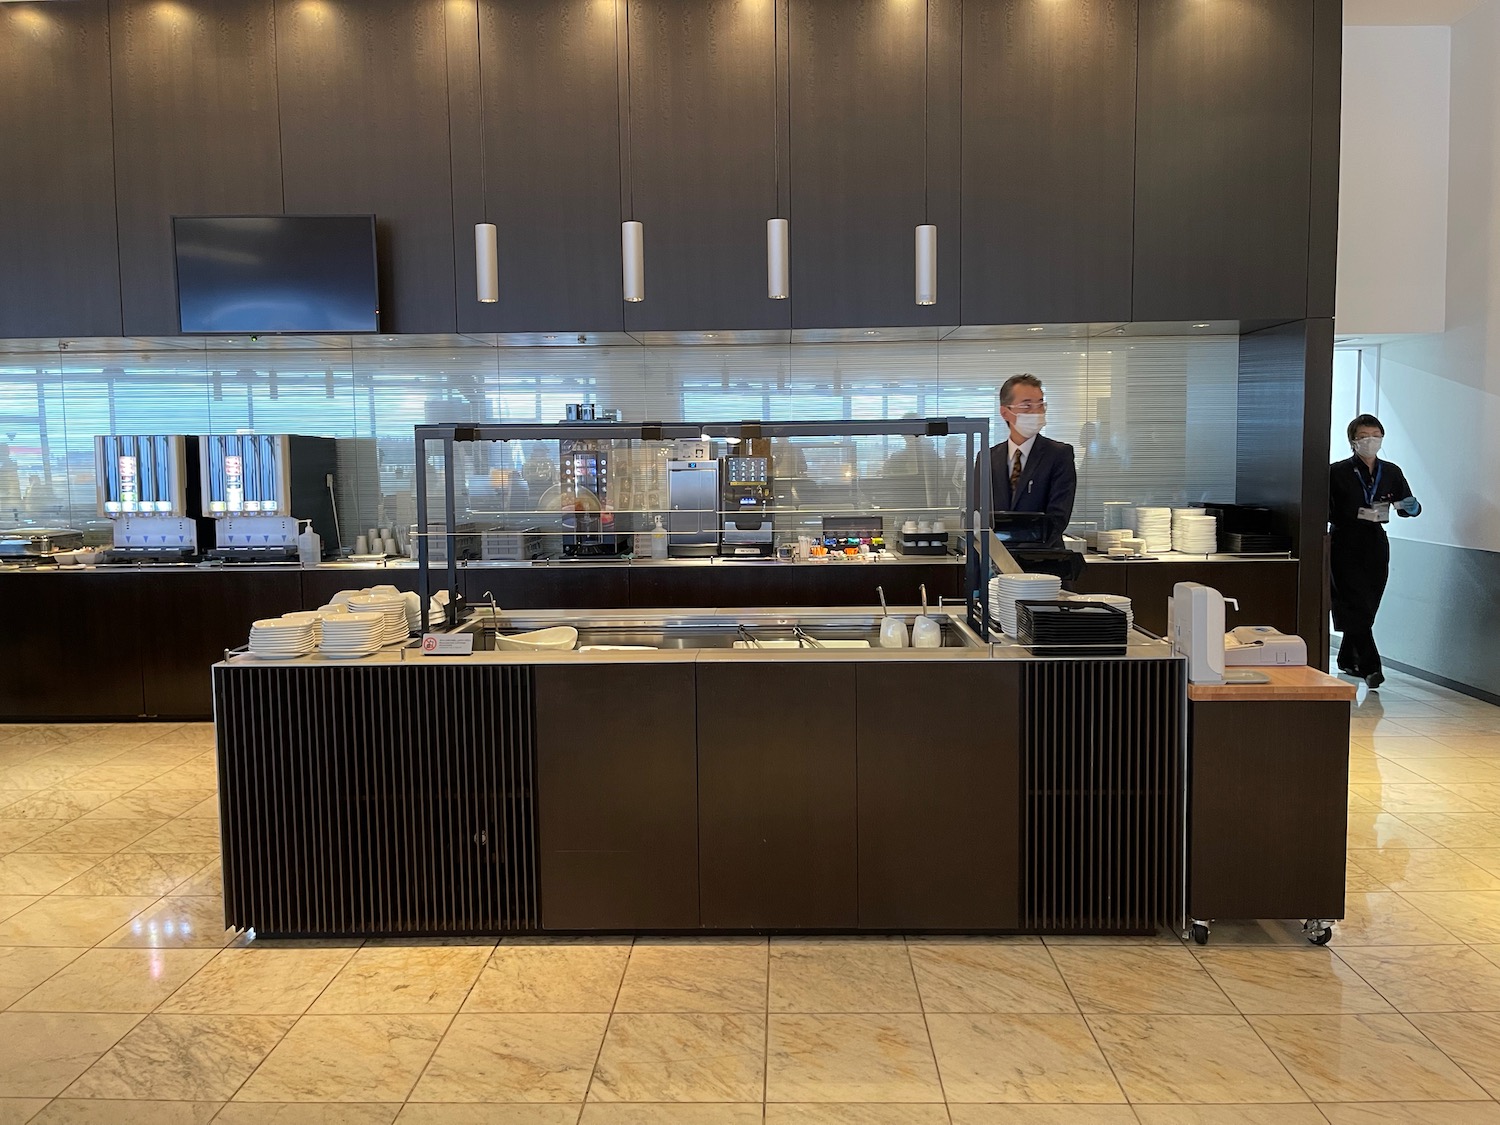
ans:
(1008, 589)
(277, 638)
(391, 606)
(1119, 601)
(348, 635)
(413, 611)
(1111, 537)
(306, 617)
(1194, 532)
(1154, 525)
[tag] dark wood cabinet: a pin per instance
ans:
(939, 802)
(617, 796)
(874, 148)
(1223, 160)
(1260, 847)
(1048, 160)
(1266, 590)
(364, 128)
(196, 133)
(54, 671)
(699, 122)
(538, 156)
(777, 838)
(188, 619)
(61, 273)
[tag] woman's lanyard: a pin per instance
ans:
(1374, 486)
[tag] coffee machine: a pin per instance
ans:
(747, 507)
(147, 488)
(258, 489)
(595, 529)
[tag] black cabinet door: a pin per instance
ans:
(196, 125)
(546, 172)
(364, 128)
(939, 802)
(699, 167)
(776, 788)
(1048, 160)
(874, 143)
(190, 617)
(61, 273)
(617, 797)
(1223, 158)
(48, 672)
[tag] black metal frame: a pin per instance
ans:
(976, 432)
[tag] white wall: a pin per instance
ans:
(1393, 180)
(1440, 393)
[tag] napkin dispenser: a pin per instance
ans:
(1253, 645)
(1197, 630)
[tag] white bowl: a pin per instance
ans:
(560, 638)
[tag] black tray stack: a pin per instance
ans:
(1071, 628)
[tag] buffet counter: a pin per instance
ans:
(701, 786)
(708, 785)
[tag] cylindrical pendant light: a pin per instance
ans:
(777, 271)
(487, 262)
(633, 254)
(926, 264)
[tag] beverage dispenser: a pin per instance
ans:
(259, 488)
(148, 490)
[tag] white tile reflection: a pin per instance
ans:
(1152, 417)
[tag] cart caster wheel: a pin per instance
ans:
(1318, 932)
(1200, 933)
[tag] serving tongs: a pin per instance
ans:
(804, 639)
(745, 635)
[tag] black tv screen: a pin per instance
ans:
(301, 274)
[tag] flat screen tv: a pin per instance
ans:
(300, 274)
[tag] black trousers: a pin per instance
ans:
(1358, 655)
(1360, 563)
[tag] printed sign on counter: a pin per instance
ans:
(447, 644)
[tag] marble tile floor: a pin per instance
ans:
(123, 1000)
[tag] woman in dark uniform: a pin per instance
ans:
(1362, 492)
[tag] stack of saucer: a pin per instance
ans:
(1194, 532)
(348, 635)
(392, 608)
(1154, 525)
(1111, 537)
(277, 638)
(1008, 589)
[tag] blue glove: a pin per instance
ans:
(1409, 505)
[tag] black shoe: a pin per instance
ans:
(1374, 680)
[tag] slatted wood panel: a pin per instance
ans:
(1102, 761)
(377, 800)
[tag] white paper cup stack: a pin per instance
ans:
(350, 635)
(277, 638)
(392, 607)
(1008, 589)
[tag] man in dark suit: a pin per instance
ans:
(1029, 472)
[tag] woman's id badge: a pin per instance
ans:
(1376, 513)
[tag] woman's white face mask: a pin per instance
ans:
(1367, 446)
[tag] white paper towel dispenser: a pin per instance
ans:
(1197, 617)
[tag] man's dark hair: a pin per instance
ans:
(1015, 381)
(1364, 420)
